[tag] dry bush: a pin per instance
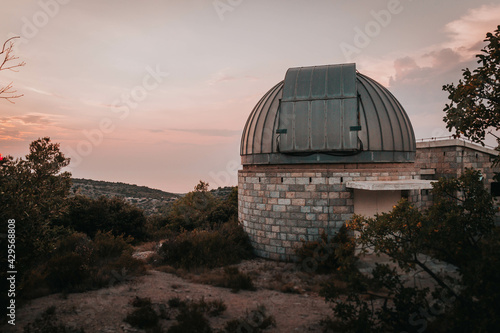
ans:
(207, 248)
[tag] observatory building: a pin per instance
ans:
(323, 144)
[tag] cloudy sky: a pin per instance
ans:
(157, 93)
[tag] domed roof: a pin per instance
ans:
(327, 114)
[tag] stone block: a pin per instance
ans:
(310, 188)
(303, 195)
(317, 209)
(341, 209)
(297, 216)
(275, 242)
(318, 180)
(322, 188)
(337, 202)
(297, 188)
(302, 181)
(334, 195)
(270, 248)
(316, 195)
(283, 188)
(305, 209)
(298, 202)
(299, 231)
(313, 231)
(279, 208)
(323, 217)
(271, 187)
(284, 201)
(280, 222)
(293, 209)
(310, 217)
(346, 217)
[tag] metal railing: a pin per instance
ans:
(451, 137)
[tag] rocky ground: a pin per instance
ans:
(298, 308)
(289, 295)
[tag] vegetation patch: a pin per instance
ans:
(104, 214)
(47, 322)
(144, 316)
(230, 278)
(255, 321)
(226, 245)
(457, 229)
(79, 264)
(327, 254)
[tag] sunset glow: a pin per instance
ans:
(157, 93)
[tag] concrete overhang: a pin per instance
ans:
(391, 185)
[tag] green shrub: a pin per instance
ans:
(225, 210)
(190, 319)
(143, 317)
(191, 211)
(175, 302)
(207, 248)
(157, 227)
(199, 209)
(326, 255)
(48, 323)
(66, 271)
(109, 246)
(235, 280)
(104, 214)
(212, 308)
(230, 278)
(78, 264)
(255, 321)
(138, 302)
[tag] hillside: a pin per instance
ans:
(150, 200)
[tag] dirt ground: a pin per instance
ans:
(299, 309)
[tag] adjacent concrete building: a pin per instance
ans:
(328, 142)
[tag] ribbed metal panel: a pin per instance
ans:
(310, 106)
(318, 109)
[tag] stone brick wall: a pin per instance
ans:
(280, 205)
(449, 158)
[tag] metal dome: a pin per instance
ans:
(327, 114)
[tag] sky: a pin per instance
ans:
(157, 93)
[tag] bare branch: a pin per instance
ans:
(8, 92)
(8, 40)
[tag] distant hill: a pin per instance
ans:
(150, 200)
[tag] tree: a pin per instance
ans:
(7, 92)
(192, 210)
(475, 100)
(459, 229)
(33, 192)
(104, 214)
